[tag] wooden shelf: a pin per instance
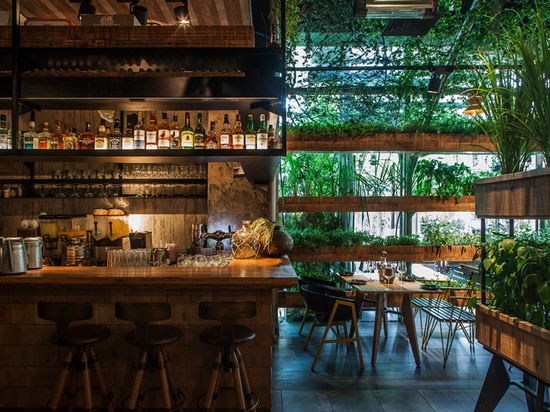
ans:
(364, 253)
(376, 204)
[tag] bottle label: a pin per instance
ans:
(199, 141)
(164, 139)
(139, 139)
(114, 142)
(186, 140)
(151, 137)
(238, 141)
(250, 140)
(225, 141)
(127, 143)
(261, 141)
(174, 139)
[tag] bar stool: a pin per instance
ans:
(229, 359)
(152, 339)
(81, 337)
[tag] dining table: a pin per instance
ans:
(370, 284)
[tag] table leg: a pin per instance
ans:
(379, 313)
(407, 310)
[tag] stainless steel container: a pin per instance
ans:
(33, 246)
(13, 258)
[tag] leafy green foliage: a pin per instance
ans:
(446, 233)
(519, 279)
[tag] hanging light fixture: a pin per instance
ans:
(474, 108)
(182, 13)
(86, 7)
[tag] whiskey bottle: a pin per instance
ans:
(200, 134)
(44, 137)
(101, 137)
(86, 139)
(261, 134)
(212, 141)
(238, 133)
(164, 133)
(139, 133)
(69, 138)
(187, 134)
(56, 137)
(250, 134)
(175, 133)
(270, 136)
(3, 132)
(30, 137)
(128, 138)
(115, 138)
(226, 140)
(151, 132)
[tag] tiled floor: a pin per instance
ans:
(395, 383)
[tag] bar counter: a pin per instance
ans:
(30, 364)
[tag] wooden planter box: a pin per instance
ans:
(291, 204)
(519, 342)
(359, 253)
(516, 195)
(392, 142)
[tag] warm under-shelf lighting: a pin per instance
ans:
(182, 13)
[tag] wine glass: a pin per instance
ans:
(401, 269)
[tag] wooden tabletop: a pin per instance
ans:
(373, 285)
(260, 273)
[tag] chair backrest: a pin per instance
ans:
(63, 313)
(309, 280)
(321, 298)
(142, 314)
(227, 313)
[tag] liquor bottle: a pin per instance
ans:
(151, 132)
(270, 136)
(187, 134)
(200, 134)
(238, 133)
(115, 138)
(86, 139)
(175, 133)
(139, 133)
(128, 138)
(70, 140)
(250, 134)
(226, 140)
(30, 137)
(3, 132)
(56, 137)
(212, 141)
(261, 135)
(101, 137)
(164, 133)
(44, 137)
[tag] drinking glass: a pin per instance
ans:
(401, 269)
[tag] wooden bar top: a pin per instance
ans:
(259, 273)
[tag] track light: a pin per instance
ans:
(182, 13)
(434, 86)
(139, 11)
(86, 7)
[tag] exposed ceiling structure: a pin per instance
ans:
(202, 12)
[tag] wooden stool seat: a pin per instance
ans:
(151, 338)
(81, 337)
(229, 360)
(157, 335)
(241, 334)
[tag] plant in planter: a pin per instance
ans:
(271, 239)
(519, 279)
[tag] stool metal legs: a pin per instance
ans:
(81, 362)
(231, 363)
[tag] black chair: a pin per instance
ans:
(82, 337)
(151, 338)
(227, 336)
(332, 309)
(309, 280)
